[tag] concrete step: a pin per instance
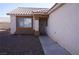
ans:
(24, 32)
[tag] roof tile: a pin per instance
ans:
(27, 11)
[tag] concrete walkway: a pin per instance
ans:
(50, 47)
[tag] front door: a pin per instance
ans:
(42, 26)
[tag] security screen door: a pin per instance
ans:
(24, 22)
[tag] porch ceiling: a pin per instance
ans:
(40, 15)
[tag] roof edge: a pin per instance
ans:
(55, 7)
(26, 7)
(33, 7)
(7, 13)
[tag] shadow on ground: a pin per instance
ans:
(19, 44)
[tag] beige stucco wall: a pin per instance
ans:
(63, 27)
(35, 24)
(13, 24)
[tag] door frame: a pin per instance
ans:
(42, 19)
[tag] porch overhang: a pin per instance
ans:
(34, 13)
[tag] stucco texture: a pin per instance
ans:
(63, 27)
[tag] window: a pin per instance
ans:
(24, 22)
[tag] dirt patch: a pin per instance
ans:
(19, 44)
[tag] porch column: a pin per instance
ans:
(13, 24)
(36, 25)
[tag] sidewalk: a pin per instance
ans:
(50, 47)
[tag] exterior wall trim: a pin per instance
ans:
(55, 7)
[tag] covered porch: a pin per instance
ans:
(35, 24)
(29, 21)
